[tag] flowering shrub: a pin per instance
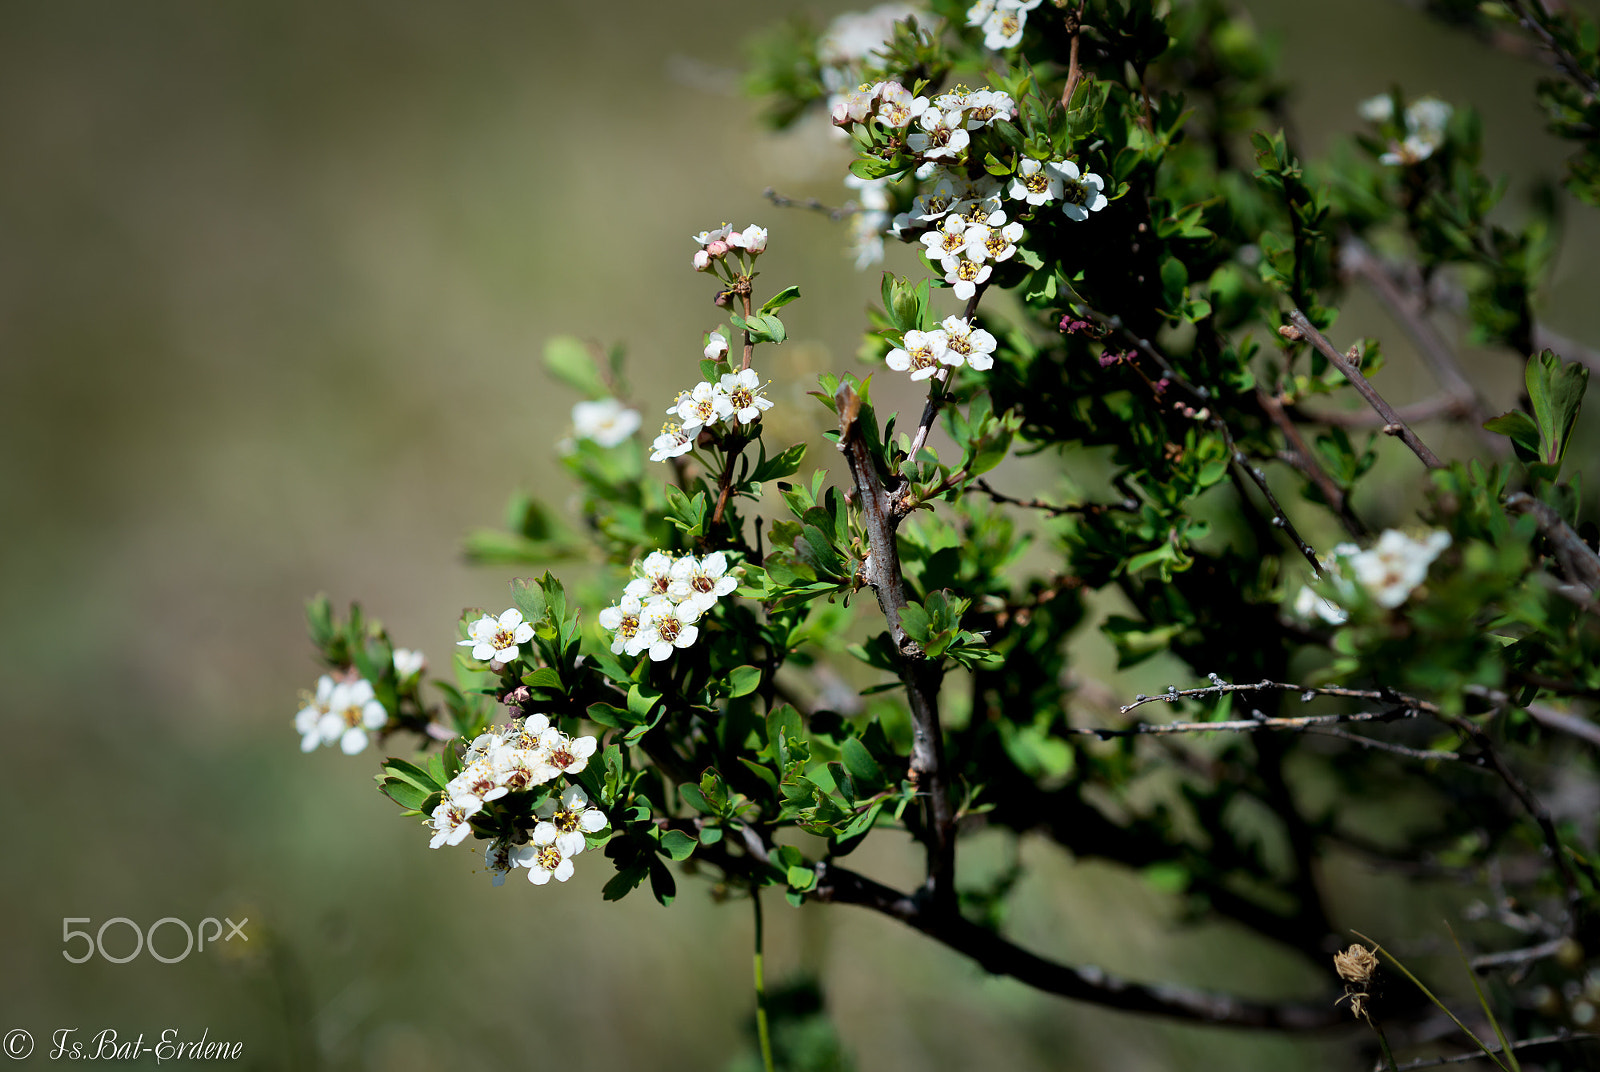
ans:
(1174, 272)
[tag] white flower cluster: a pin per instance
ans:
(853, 38)
(969, 241)
(933, 353)
(497, 641)
(1425, 122)
(735, 398)
(717, 243)
(1001, 21)
(606, 421)
(658, 608)
(934, 130)
(342, 711)
(529, 753)
(1389, 571)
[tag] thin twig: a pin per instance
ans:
(1426, 755)
(1578, 560)
(1218, 687)
(1246, 725)
(835, 214)
(1304, 459)
(1393, 424)
(1519, 957)
(1434, 408)
(1074, 72)
(1561, 59)
(1525, 1044)
(1280, 519)
(1357, 259)
(1126, 505)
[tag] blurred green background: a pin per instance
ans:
(274, 279)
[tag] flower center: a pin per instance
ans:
(1037, 183)
(968, 270)
(561, 758)
(702, 583)
(953, 240)
(503, 639)
(565, 821)
(1076, 192)
(659, 585)
(742, 398)
(997, 244)
(922, 357)
(669, 628)
(549, 857)
(960, 344)
(628, 626)
(352, 716)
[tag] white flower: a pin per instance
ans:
(482, 746)
(1308, 603)
(998, 243)
(566, 755)
(701, 261)
(985, 107)
(854, 107)
(308, 720)
(742, 390)
(856, 35)
(607, 421)
(1379, 109)
(720, 234)
(477, 784)
(655, 577)
(1037, 182)
(450, 823)
(967, 343)
(706, 404)
(1002, 28)
(408, 664)
(495, 640)
(753, 240)
(1426, 119)
(716, 345)
(899, 107)
(517, 769)
(701, 582)
(571, 819)
(622, 619)
(664, 625)
(1396, 565)
(543, 857)
(352, 711)
(931, 205)
(965, 276)
(673, 442)
(920, 353)
(948, 239)
(942, 136)
(1082, 192)
(497, 857)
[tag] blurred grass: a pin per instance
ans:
(273, 283)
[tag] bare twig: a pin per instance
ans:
(1393, 424)
(1218, 687)
(1532, 20)
(1074, 72)
(1280, 519)
(1427, 410)
(1304, 459)
(1249, 725)
(811, 203)
(1519, 957)
(1127, 505)
(1427, 755)
(1356, 259)
(920, 675)
(1525, 1044)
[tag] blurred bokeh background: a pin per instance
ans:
(274, 279)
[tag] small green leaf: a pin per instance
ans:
(677, 844)
(568, 359)
(743, 680)
(695, 799)
(862, 767)
(529, 598)
(780, 299)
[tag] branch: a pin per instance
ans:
(1525, 1044)
(1074, 72)
(920, 675)
(1578, 560)
(1280, 519)
(1088, 984)
(1249, 725)
(1218, 687)
(834, 214)
(1428, 409)
(1560, 58)
(1127, 505)
(1393, 424)
(1304, 459)
(1357, 259)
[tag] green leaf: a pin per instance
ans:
(624, 882)
(677, 844)
(695, 799)
(1556, 390)
(743, 680)
(404, 793)
(568, 359)
(914, 620)
(542, 678)
(862, 767)
(606, 715)
(412, 773)
(528, 597)
(1520, 429)
(780, 299)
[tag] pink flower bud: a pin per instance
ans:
(702, 261)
